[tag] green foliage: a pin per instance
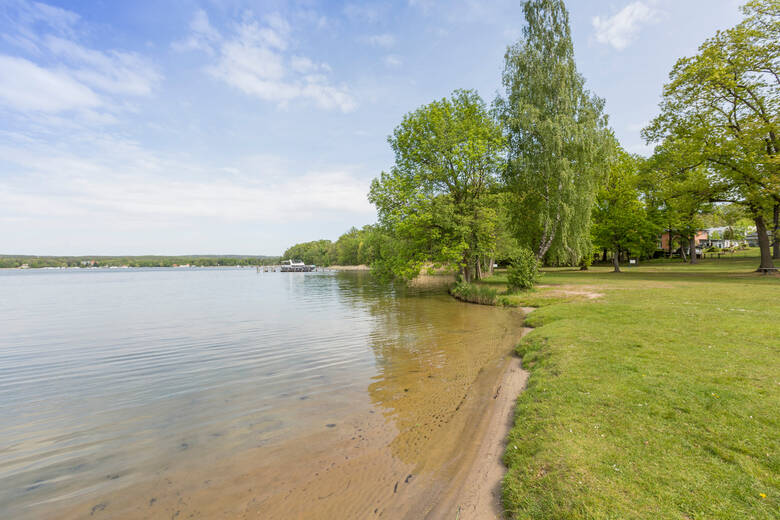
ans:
(621, 221)
(317, 252)
(523, 272)
(435, 202)
(719, 114)
(474, 293)
(557, 137)
(354, 247)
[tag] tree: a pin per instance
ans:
(317, 252)
(620, 221)
(720, 110)
(557, 137)
(352, 248)
(434, 201)
(730, 215)
(682, 195)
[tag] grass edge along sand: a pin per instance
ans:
(658, 399)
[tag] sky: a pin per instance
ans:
(243, 127)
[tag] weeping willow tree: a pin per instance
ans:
(557, 135)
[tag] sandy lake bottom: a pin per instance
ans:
(226, 393)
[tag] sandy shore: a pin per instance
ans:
(476, 492)
(348, 268)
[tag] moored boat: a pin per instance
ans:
(296, 266)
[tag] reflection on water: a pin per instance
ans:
(113, 382)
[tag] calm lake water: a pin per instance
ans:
(162, 392)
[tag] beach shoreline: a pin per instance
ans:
(476, 492)
(348, 268)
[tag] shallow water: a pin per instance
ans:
(228, 393)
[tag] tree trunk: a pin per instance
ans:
(604, 256)
(465, 271)
(694, 260)
(490, 267)
(763, 243)
(616, 261)
(776, 233)
(682, 251)
(671, 251)
(477, 269)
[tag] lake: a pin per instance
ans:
(225, 393)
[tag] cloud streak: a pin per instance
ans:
(255, 59)
(380, 40)
(621, 29)
(60, 74)
(132, 183)
(25, 86)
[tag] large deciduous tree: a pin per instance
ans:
(620, 220)
(435, 201)
(557, 137)
(721, 109)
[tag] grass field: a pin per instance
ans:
(658, 399)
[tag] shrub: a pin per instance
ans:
(523, 272)
(472, 293)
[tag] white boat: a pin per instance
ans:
(293, 266)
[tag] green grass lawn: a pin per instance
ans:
(660, 399)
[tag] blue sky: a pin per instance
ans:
(240, 127)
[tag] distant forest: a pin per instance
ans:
(11, 261)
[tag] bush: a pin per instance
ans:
(523, 272)
(472, 293)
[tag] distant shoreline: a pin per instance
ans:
(83, 261)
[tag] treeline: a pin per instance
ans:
(355, 247)
(539, 170)
(8, 261)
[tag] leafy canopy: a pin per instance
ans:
(721, 110)
(621, 221)
(557, 136)
(434, 202)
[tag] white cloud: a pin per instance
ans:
(255, 60)
(74, 77)
(120, 181)
(380, 40)
(622, 28)
(393, 61)
(113, 71)
(26, 86)
(59, 20)
(202, 35)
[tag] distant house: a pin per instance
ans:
(715, 238)
(701, 240)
